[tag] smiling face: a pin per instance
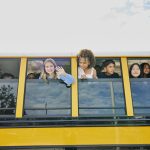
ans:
(83, 63)
(135, 72)
(109, 69)
(49, 68)
(146, 69)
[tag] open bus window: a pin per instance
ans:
(103, 96)
(139, 72)
(46, 94)
(9, 74)
(108, 68)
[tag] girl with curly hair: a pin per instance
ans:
(86, 63)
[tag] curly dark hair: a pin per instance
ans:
(87, 54)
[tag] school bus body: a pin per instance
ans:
(75, 134)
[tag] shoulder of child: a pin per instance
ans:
(116, 75)
(101, 75)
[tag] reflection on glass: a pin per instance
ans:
(140, 89)
(8, 96)
(43, 98)
(101, 97)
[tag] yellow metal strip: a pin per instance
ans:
(74, 136)
(74, 87)
(127, 88)
(21, 85)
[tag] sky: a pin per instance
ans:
(63, 27)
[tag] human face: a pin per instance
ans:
(146, 69)
(83, 63)
(135, 72)
(109, 69)
(49, 68)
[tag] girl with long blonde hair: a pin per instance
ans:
(52, 71)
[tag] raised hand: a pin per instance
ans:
(60, 71)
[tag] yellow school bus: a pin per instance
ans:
(92, 114)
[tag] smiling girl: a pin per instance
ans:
(86, 62)
(135, 71)
(52, 71)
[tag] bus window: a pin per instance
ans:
(9, 74)
(46, 94)
(139, 72)
(103, 96)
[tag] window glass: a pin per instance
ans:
(9, 74)
(139, 73)
(46, 94)
(103, 96)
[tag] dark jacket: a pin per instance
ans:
(104, 75)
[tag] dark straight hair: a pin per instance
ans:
(131, 67)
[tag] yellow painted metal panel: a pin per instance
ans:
(21, 85)
(127, 88)
(74, 136)
(74, 88)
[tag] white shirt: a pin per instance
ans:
(81, 72)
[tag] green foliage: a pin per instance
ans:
(7, 100)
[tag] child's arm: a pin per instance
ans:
(94, 74)
(67, 78)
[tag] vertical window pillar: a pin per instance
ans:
(74, 87)
(21, 86)
(127, 88)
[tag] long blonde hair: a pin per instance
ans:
(44, 74)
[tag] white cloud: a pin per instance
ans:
(55, 27)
